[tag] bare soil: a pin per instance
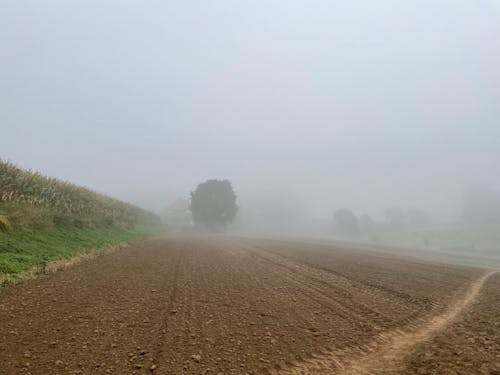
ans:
(234, 306)
(471, 345)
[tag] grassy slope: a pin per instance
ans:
(43, 219)
(22, 249)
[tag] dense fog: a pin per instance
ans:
(389, 110)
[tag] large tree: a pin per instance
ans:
(213, 204)
(346, 223)
(367, 224)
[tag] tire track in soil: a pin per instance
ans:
(247, 314)
(189, 322)
(312, 283)
(269, 270)
(364, 283)
(385, 355)
(324, 289)
(305, 286)
(169, 282)
(303, 283)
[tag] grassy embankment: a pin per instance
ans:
(45, 220)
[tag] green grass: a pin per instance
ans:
(43, 219)
(21, 250)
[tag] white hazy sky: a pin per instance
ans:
(362, 104)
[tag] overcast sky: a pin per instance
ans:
(360, 104)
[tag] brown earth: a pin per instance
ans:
(469, 346)
(235, 306)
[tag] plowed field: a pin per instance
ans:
(211, 305)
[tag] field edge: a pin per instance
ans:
(26, 254)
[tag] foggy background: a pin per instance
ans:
(306, 107)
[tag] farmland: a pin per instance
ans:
(194, 305)
(31, 200)
(44, 219)
(469, 345)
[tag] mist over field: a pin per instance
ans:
(250, 187)
(306, 107)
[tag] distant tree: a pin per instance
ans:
(272, 211)
(177, 216)
(366, 224)
(345, 222)
(213, 204)
(395, 217)
(418, 218)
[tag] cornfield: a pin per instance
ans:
(28, 188)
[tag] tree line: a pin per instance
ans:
(345, 222)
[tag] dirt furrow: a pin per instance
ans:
(195, 305)
(337, 290)
(169, 288)
(387, 353)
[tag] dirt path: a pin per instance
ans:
(198, 305)
(387, 353)
(470, 345)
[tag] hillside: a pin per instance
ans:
(31, 200)
(43, 218)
